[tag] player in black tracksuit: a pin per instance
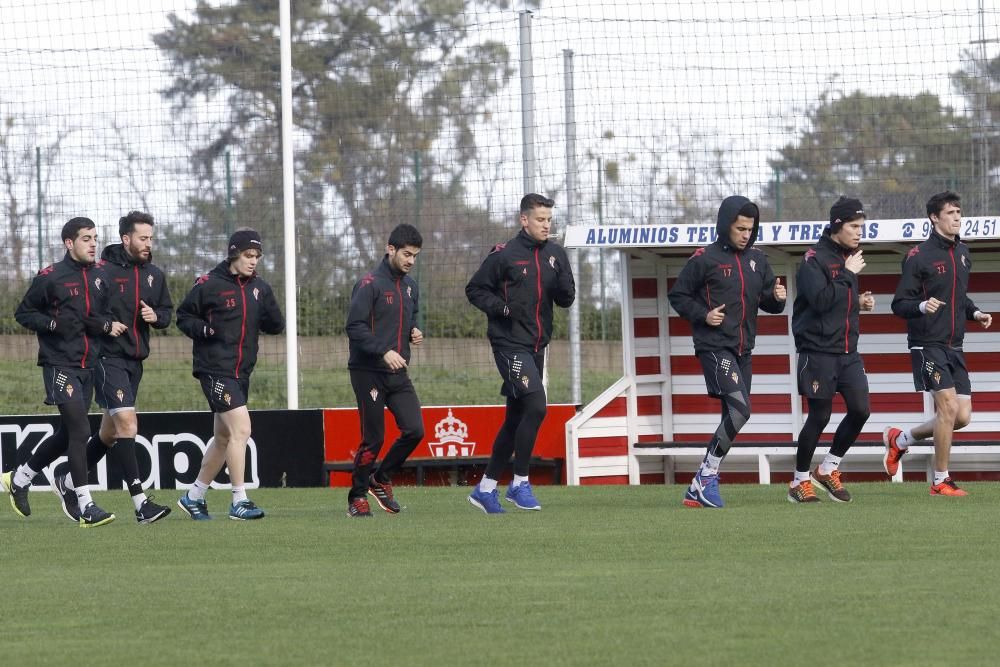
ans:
(224, 314)
(719, 291)
(932, 296)
(67, 307)
(825, 325)
(381, 325)
(516, 286)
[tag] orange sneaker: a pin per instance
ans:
(803, 493)
(947, 488)
(892, 453)
(831, 483)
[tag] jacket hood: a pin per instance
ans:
(115, 254)
(728, 211)
(221, 270)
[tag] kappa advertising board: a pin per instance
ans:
(451, 433)
(170, 447)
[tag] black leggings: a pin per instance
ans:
(735, 413)
(819, 416)
(71, 437)
(517, 435)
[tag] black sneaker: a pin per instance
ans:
(358, 507)
(382, 493)
(67, 498)
(93, 516)
(150, 512)
(18, 494)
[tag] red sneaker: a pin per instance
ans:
(892, 453)
(947, 488)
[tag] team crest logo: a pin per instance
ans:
(815, 386)
(69, 390)
(409, 291)
(965, 261)
(255, 293)
(97, 283)
(736, 378)
(524, 271)
(149, 280)
(227, 398)
(937, 377)
(753, 264)
(374, 394)
(524, 381)
(451, 433)
(121, 395)
(552, 262)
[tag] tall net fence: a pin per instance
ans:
(412, 112)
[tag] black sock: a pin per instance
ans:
(96, 450)
(123, 454)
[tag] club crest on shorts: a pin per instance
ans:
(227, 398)
(121, 395)
(736, 378)
(815, 386)
(149, 280)
(374, 394)
(524, 381)
(937, 377)
(69, 390)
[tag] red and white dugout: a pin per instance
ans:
(661, 397)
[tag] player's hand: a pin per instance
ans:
(393, 360)
(117, 329)
(867, 301)
(416, 336)
(855, 263)
(932, 305)
(780, 293)
(515, 310)
(985, 319)
(96, 326)
(147, 313)
(715, 316)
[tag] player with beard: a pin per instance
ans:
(381, 326)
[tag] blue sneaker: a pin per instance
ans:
(704, 492)
(487, 502)
(196, 509)
(522, 497)
(245, 510)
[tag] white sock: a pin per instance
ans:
(518, 479)
(940, 476)
(799, 477)
(829, 464)
(710, 466)
(239, 494)
(23, 475)
(905, 439)
(138, 500)
(197, 490)
(83, 497)
(487, 485)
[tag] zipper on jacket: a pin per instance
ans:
(743, 304)
(954, 277)
(399, 328)
(86, 300)
(538, 303)
(135, 314)
(847, 320)
(243, 325)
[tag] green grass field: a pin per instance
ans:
(601, 576)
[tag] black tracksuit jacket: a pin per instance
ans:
(131, 282)
(827, 305)
(223, 314)
(935, 268)
(67, 307)
(516, 286)
(720, 274)
(383, 312)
